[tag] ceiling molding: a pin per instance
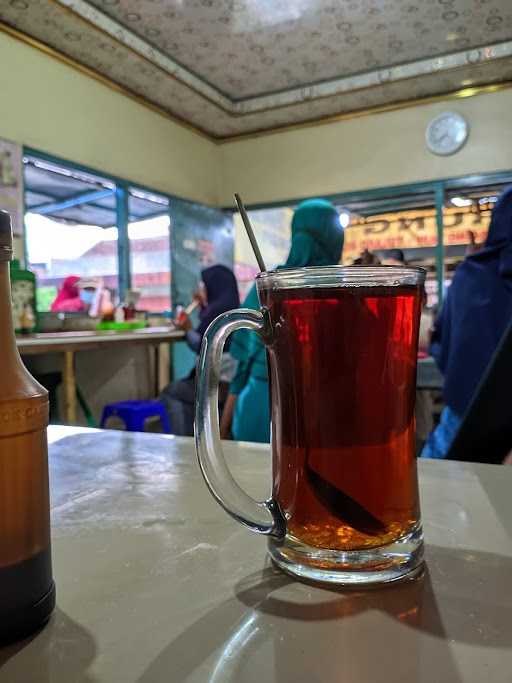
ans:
(462, 93)
(104, 80)
(220, 140)
(128, 66)
(370, 79)
(289, 97)
(142, 48)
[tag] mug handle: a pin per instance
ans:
(263, 517)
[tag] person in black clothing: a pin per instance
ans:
(216, 294)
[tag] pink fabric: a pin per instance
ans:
(68, 298)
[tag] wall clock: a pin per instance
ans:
(447, 133)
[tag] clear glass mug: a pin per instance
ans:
(342, 349)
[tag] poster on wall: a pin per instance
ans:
(11, 183)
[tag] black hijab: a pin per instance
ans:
(221, 292)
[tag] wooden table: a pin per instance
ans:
(68, 343)
(156, 584)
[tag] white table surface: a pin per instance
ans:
(155, 583)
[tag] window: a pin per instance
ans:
(150, 252)
(272, 228)
(394, 226)
(70, 227)
(408, 222)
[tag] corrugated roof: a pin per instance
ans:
(69, 196)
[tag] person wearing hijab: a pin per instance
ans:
(474, 316)
(217, 293)
(317, 240)
(68, 298)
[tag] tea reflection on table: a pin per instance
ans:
(306, 633)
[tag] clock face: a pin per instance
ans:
(446, 133)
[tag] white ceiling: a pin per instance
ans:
(235, 66)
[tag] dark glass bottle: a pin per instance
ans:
(27, 591)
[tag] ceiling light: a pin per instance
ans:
(254, 14)
(487, 200)
(344, 219)
(461, 201)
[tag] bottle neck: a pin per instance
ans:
(8, 349)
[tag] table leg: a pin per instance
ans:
(69, 387)
(170, 369)
(157, 370)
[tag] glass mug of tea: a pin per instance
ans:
(342, 349)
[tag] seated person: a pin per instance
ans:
(75, 295)
(216, 294)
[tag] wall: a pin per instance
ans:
(59, 110)
(365, 152)
(56, 109)
(103, 376)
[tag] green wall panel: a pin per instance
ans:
(200, 237)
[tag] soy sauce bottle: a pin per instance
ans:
(27, 591)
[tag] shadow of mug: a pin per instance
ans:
(295, 631)
(464, 582)
(61, 651)
(463, 597)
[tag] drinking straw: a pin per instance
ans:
(250, 233)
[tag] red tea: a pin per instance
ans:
(343, 366)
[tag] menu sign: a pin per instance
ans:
(414, 229)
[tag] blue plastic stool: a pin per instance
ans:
(135, 413)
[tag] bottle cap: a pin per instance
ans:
(5, 237)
